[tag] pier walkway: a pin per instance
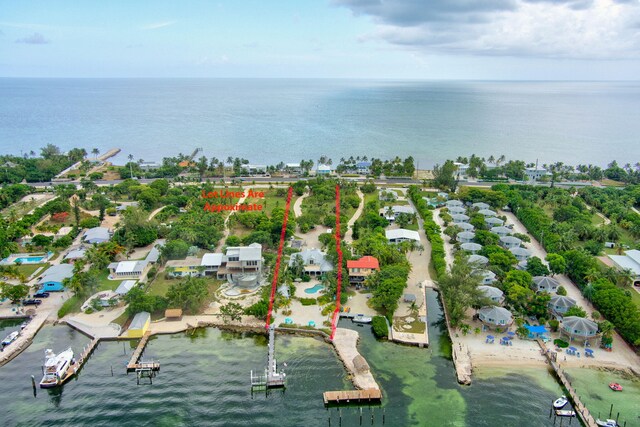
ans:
(581, 411)
(134, 363)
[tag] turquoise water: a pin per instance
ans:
(29, 260)
(268, 121)
(313, 289)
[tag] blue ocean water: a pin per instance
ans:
(268, 121)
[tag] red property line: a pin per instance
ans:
(277, 271)
(334, 321)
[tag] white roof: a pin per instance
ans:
(629, 261)
(125, 286)
(97, 233)
(292, 165)
(491, 292)
(324, 167)
(456, 210)
(76, 254)
(57, 273)
(487, 212)
(510, 239)
(453, 203)
(402, 233)
(501, 229)
(479, 259)
(493, 220)
(130, 266)
(471, 246)
(466, 235)
(496, 314)
(562, 301)
(465, 226)
(214, 259)
(139, 320)
(460, 217)
(481, 205)
(520, 251)
(487, 274)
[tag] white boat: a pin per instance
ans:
(361, 318)
(57, 367)
(560, 402)
(10, 338)
(607, 423)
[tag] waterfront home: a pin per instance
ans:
(535, 173)
(256, 169)
(315, 262)
(456, 210)
(630, 261)
(465, 236)
(545, 284)
(362, 268)
(501, 230)
(402, 235)
(391, 213)
(211, 263)
(323, 170)
(190, 266)
(487, 212)
(471, 247)
(459, 218)
(139, 325)
(559, 304)
(124, 287)
(509, 242)
(478, 260)
(487, 277)
(481, 205)
(128, 269)
(363, 168)
(453, 203)
(53, 278)
(96, 235)
(521, 254)
(580, 329)
(461, 170)
(293, 168)
(493, 293)
(495, 317)
(243, 265)
(74, 255)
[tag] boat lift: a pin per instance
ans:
(272, 378)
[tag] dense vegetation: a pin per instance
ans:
(35, 169)
(431, 229)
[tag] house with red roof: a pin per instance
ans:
(362, 268)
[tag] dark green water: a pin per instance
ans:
(204, 382)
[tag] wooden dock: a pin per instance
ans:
(84, 356)
(352, 396)
(134, 363)
(580, 410)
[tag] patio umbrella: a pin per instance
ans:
(573, 349)
(588, 350)
(511, 333)
(490, 337)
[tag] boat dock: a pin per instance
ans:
(271, 378)
(352, 396)
(580, 410)
(134, 364)
(84, 356)
(112, 152)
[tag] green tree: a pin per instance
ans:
(189, 295)
(231, 311)
(535, 267)
(459, 288)
(557, 263)
(14, 293)
(576, 311)
(444, 176)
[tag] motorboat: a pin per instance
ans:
(615, 387)
(607, 423)
(560, 402)
(361, 318)
(10, 338)
(57, 367)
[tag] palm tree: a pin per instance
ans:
(130, 157)
(491, 159)
(95, 152)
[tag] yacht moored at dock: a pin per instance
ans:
(57, 368)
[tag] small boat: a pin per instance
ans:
(607, 423)
(565, 413)
(57, 367)
(361, 318)
(560, 402)
(615, 387)
(10, 338)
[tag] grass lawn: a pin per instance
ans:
(370, 197)
(413, 227)
(635, 297)
(596, 220)
(72, 305)
(160, 285)
(104, 284)
(29, 269)
(272, 200)
(611, 183)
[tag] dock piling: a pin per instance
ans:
(33, 384)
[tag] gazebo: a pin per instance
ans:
(465, 236)
(509, 242)
(459, 218)
(481, 205)
(487, 212)
(581, 329)
(501, 230)
(456, 210)
(488, 276)
(478, 259)
(521, 254)
(495, 317)
(465, 226)
(545, 284)
(493, 221)
(453, 203)
(471, 247)
(494, 294)
(559, 304)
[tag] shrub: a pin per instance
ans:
(68, 307)
(561, 291)
(561, 343)
(379, 326)
(308, 301)
(554, 324)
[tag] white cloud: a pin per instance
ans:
(585, 29)
(158, 25)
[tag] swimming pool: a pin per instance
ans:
(314, 289)
(29, 259)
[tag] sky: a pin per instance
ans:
(369, 39)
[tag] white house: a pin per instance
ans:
(535, 173)
(256, 169)
(128, 269)
(323, 170)
(391, 213)
(97, 235)
(402, 235)
(629, 261)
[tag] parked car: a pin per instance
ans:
(32, 302)
(41, 295)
